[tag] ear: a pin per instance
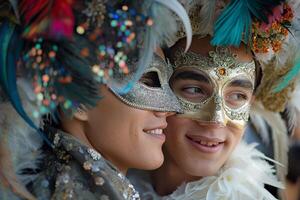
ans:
(81, 113)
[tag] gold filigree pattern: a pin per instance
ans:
(221, 67)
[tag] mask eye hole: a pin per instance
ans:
(150, 79)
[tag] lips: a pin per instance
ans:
(156, 132)
(206, 144)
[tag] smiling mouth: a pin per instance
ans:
(206, 145)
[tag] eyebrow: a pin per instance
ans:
(191, 76)
(242, 83)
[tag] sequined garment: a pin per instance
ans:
(75, 171)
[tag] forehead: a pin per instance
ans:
(202, 46)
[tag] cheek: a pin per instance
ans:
(175, 132)
(236, 136)
(177, 124)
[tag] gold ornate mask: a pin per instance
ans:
(152, 92)
(215, 88)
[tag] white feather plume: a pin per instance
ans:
(279, 136)
(165, 18)
(23, 143)
(207, 16)
(242, 177)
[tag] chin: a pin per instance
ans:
(154, 161)
(202, 168)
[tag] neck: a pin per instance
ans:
(116, 163)
(169, 177)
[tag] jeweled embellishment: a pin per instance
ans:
(56, 139)
(99, 181)
(94, 154)
(87, 165)
(222, 71)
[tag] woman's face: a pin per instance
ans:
(196, 144)
(126, 136)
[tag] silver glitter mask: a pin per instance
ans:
(221, 71)
(158, 98)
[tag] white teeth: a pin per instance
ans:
(155, 131)
(208, 143)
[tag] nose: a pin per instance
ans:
(163, 114)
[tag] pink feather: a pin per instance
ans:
(52, 19)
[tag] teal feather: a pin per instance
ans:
(235, 22)
(10, 46)
(288, 77)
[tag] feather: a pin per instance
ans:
(291, 115)
(293, 109)
(242, 177)
(10, 46)
(9, 9)
(253, 174)
(52, 19)
(285, 81)
(181, 13)
(207, 16)
(7, 174)
(20, 146)
(279, 136)
(235, 22)
(294, 102)
(24, 140)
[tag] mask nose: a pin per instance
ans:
(219, 118)
(218, 113)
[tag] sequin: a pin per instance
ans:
(56, 139)
(99, 181)
(87, 165)
(94, 154)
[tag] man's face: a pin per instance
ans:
(216, 105)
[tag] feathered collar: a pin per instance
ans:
(242, 177)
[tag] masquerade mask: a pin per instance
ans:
(152, 91)
(215, 88)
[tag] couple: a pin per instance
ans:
(188, 124)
